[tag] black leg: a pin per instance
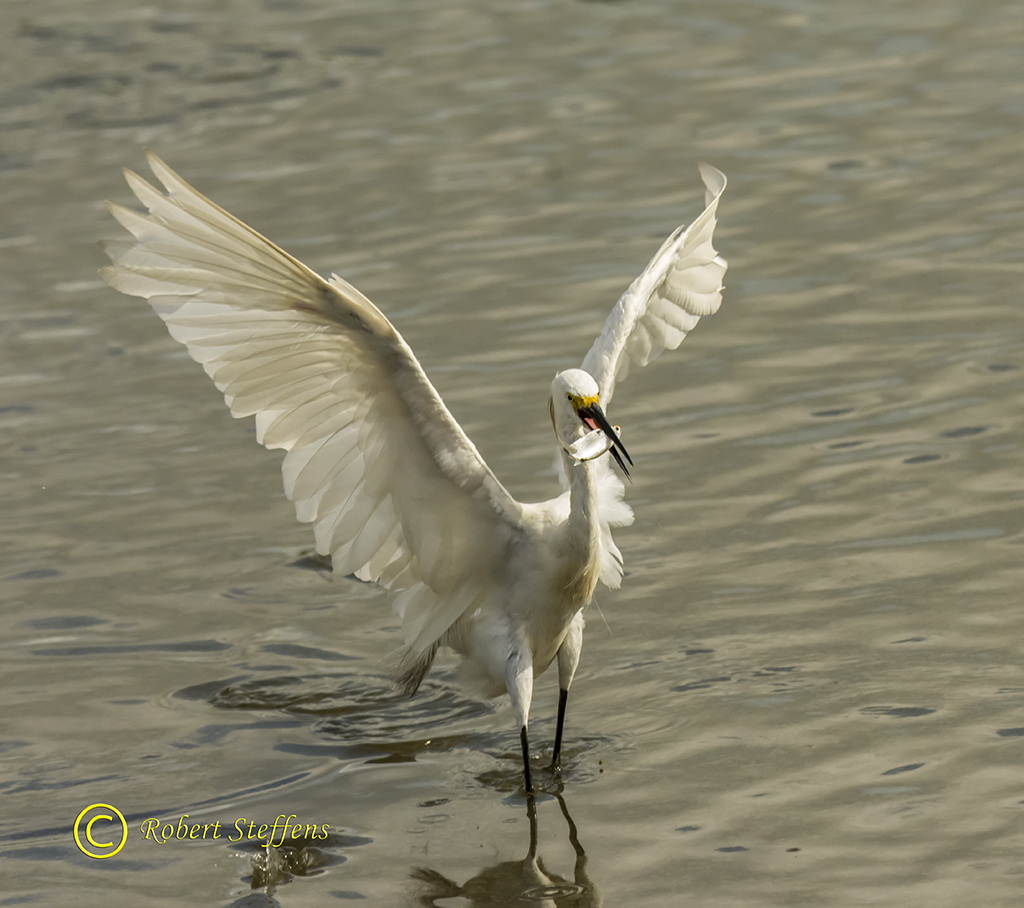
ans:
(526, 759)
(563, 697)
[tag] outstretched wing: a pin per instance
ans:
(680, 284)
(394, 489)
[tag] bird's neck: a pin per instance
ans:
(583, 531)
(582, 488)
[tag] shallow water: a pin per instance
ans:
(808, 690)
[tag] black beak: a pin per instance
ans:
(595, 414)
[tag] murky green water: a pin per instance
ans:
(809, 690)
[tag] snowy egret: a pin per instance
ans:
(395, 490)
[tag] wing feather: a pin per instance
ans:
(394, 489)
(679, 285)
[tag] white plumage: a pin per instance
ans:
(395, 490)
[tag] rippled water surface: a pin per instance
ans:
(809, 690)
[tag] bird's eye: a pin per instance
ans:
(568, 397)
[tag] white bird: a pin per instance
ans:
(395, 490)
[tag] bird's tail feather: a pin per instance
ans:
(410, 667)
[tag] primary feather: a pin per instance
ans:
(394, 489)
(680, 284)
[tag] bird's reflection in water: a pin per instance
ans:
(518, 882)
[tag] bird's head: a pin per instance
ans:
(576, 414)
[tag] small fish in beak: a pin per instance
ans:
(590, 446)
(593, 418)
